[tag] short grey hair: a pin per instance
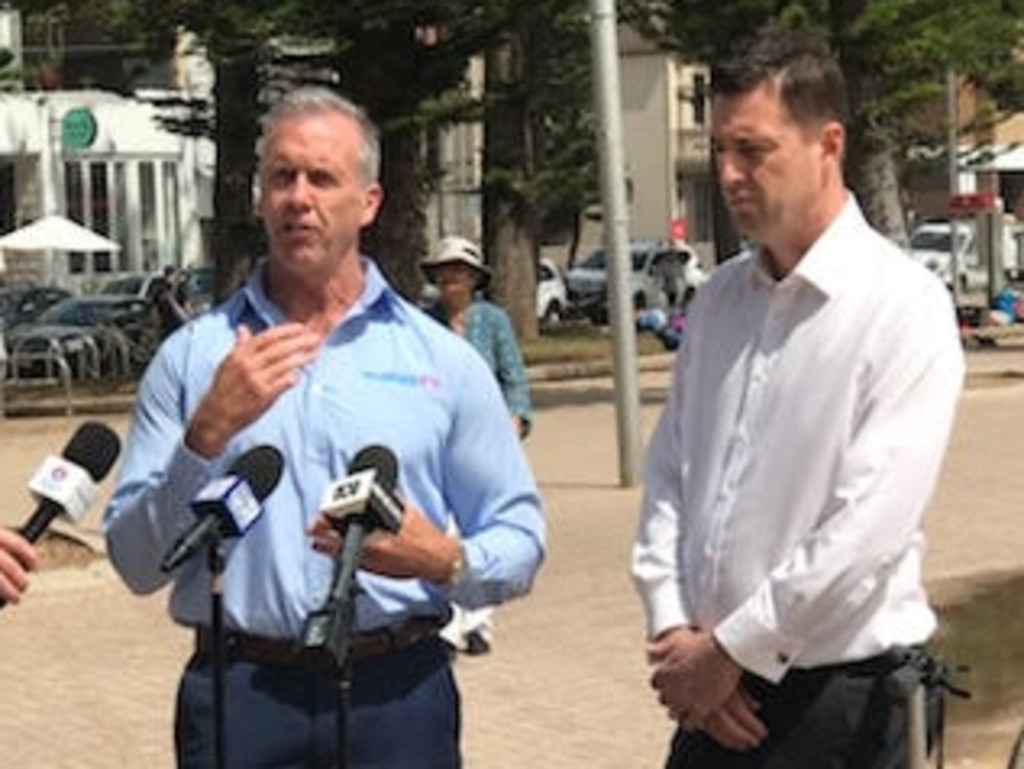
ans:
(311, 100)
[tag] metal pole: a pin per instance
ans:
(952, 149)
(604, 49)
(917, 729)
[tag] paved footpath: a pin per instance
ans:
(88, 672)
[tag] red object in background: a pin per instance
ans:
(970, 202)
(677, 229)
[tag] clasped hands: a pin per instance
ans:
(699, 685)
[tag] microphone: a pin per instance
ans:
(66, 485)
(228, 506)
(366, 495)
(360, 502)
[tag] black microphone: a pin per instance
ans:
(367, 494)
(362, 501)
(228, 506)
(66, 485)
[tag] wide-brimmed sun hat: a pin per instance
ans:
(457, 250)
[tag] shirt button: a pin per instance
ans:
(782, 658)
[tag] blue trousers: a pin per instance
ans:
(404, 713)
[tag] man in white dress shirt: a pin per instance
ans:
(779, 550)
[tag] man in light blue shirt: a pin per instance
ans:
(319, 357)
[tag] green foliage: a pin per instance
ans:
(896, 52)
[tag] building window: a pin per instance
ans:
(119, 216)
(171, 223)
(699, 98)
(147, 199)
(99, 221)
(74, 196)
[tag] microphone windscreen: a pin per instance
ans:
(261, 468)
(94, 447)
(380, 459)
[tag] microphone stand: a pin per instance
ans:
(330, 630)
(215, 562)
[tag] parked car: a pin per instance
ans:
(97, 335)
(134, 283)
(199, 285)
(930, 245)
(23, 304)
(661, 275)
(552, 295)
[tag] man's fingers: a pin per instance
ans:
(736, 725)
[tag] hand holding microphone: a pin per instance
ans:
(17, 559)
(363, 503)
(64, 485)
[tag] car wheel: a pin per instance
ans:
(552, 314)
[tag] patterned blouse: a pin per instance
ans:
(489, 330)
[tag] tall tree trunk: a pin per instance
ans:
(874, 177)
(871, 163)
(402, 220)
(237, 237)
(508, 235)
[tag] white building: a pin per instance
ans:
(104, 161)
(666, 118)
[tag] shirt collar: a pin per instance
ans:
(257, 307)
(824, 264)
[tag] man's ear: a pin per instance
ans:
(373, 196)
(833, 140)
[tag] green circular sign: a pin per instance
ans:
(78, 129)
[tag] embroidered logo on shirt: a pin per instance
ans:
(422, 381)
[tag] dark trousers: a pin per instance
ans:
(816, 720)
(404, 713)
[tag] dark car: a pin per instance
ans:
(98, 335)
(22, 304)
(134, 283)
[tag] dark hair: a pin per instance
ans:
(811, 84)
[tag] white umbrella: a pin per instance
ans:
(56, 233)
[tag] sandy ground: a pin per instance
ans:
(89, 671)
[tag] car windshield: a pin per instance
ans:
(934, 240)
(594, 262)
(131, 285)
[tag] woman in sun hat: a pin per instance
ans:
(457, 270)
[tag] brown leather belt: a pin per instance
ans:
(288, 653)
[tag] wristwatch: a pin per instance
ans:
(458, 569)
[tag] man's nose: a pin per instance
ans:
(299, 191)
(729, 171)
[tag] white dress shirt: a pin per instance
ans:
(788, 476)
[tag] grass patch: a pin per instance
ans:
(572, 343)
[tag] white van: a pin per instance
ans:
(929, 245)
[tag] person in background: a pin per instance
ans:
(458, 271)
(780, 543)
(18, 557)
(318, 356)
(164, 294)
